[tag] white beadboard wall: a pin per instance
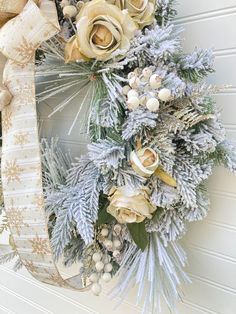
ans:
(210, 244)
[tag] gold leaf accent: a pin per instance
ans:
(165, 177)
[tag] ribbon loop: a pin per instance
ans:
(21, 160)
(28, 30)
(9, 9)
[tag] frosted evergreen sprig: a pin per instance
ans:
(225, 154)
(62, 231)
(157, 272)
(165, 11)
(106, 154)
(138, 121)
(196, 66)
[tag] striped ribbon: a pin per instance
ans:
(21, 162)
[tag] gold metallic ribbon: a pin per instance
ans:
(21, 163)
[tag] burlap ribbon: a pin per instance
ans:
(21, 163)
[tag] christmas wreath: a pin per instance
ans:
(154, 133)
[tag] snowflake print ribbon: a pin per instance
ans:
(21, 162)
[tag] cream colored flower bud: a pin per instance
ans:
(144, 161)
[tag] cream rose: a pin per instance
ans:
(102, 29)
(130, 206)
(72, 52)
(142, 11)
(144, 161)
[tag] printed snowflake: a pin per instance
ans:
(40, 245)
(12, 171)
(21, 138)
(7, 119)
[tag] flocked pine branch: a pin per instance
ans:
(189, 174)
(7, 255)
(82, 201)
(196, 66)
(170, 226)
(18, 265)
(202, 206)
(106, 154)
(165, 11)
(138, 121)
(157, 272)
(155, 46)
(225, 154)
(55, 164)
(62, 231)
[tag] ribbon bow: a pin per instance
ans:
(9, 9)
(21, 163)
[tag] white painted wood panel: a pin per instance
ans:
(210, 244)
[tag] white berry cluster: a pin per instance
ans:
(102, 271)
(145, 89)
(111, 239)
